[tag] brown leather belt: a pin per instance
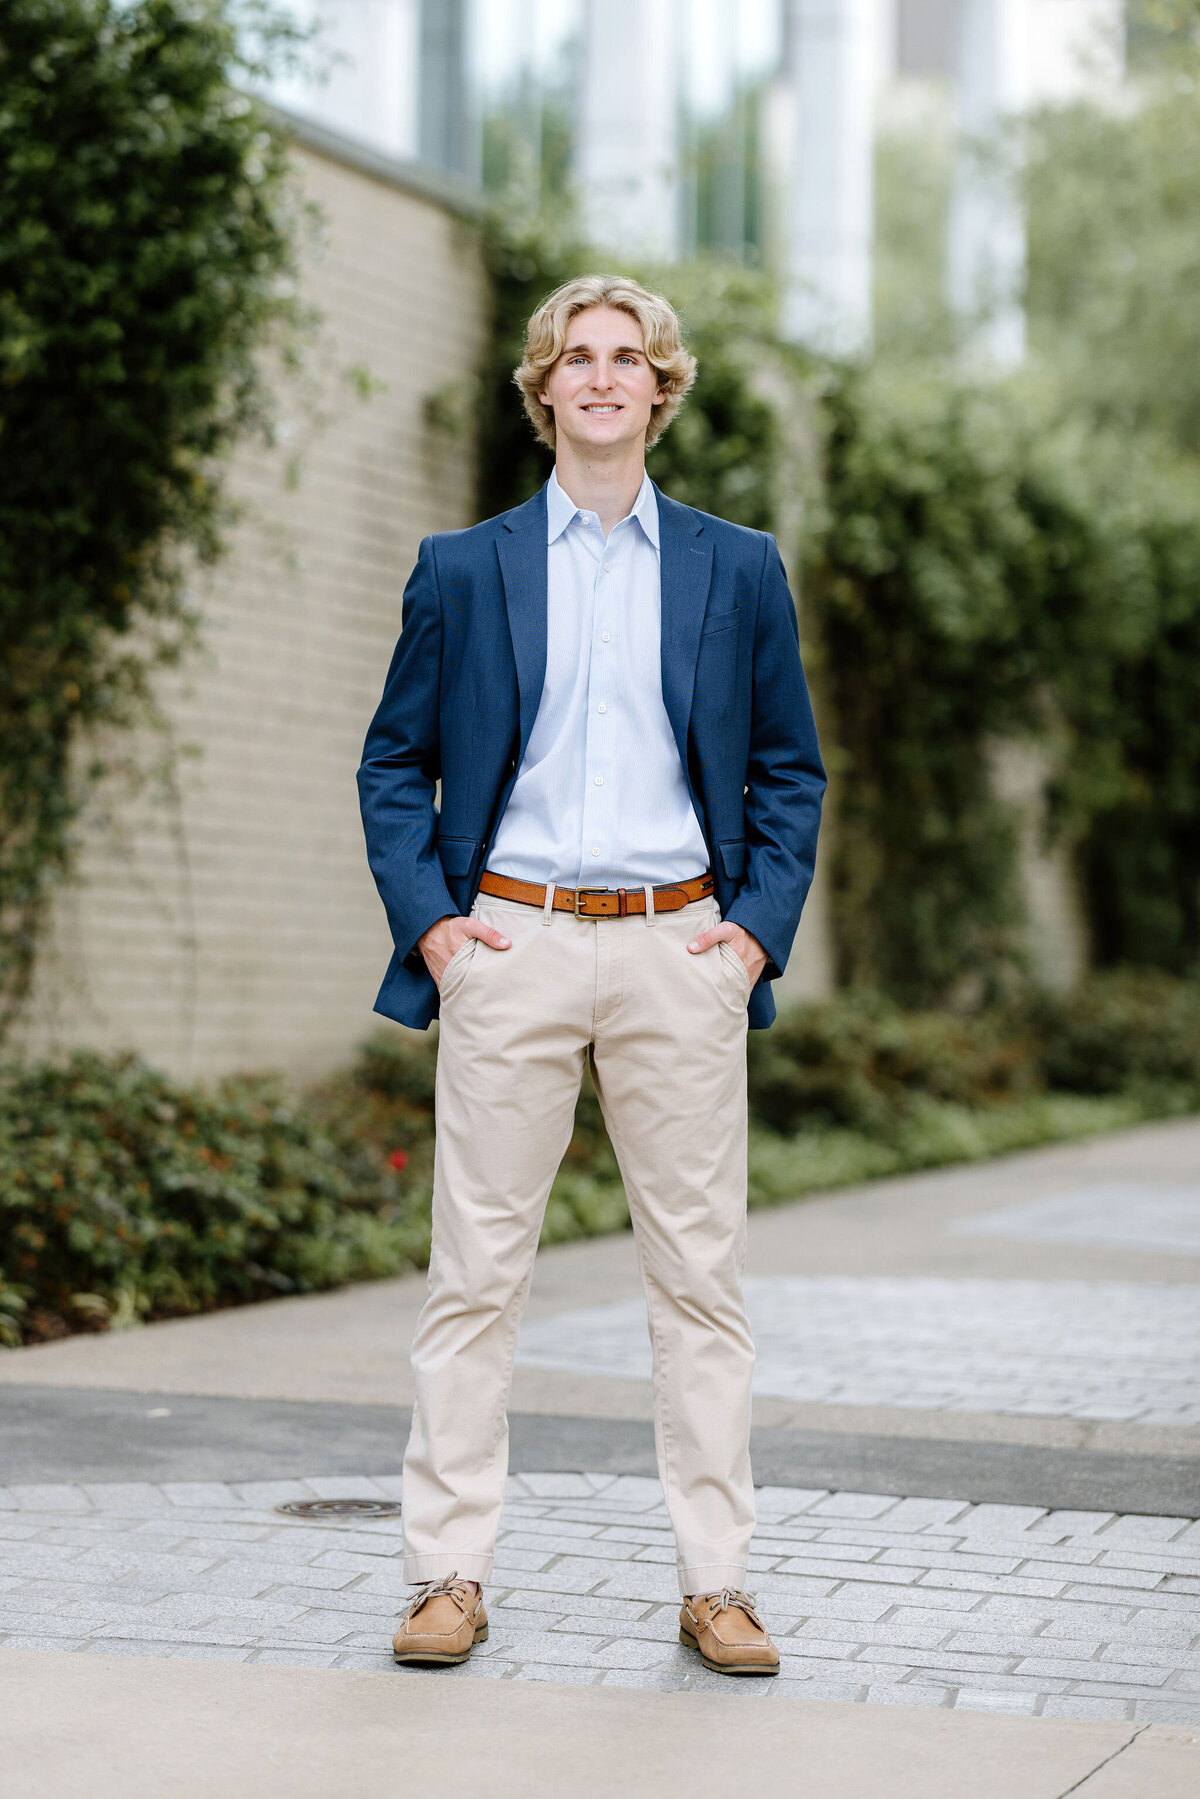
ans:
(598, 902)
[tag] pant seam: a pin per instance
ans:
(659, 1370)
(514, 1331)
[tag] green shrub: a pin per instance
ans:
(124, 1196)
(1120, 1030)
(859, 1061)
(932, 1134)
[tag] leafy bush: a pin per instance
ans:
(932, 1133)
(125, 1196)
(860, 1062)
(1121, 1030)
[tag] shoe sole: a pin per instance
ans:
(438, 1657)
(725, 1667)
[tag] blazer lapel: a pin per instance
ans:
(522, 550)
(685, 567)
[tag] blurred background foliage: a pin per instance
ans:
(990, 568)
(1029, 547)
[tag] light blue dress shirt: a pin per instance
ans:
(600, 798)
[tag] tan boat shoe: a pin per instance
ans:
(443, 1623)
(727, 1630)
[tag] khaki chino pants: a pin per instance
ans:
(666, 1034)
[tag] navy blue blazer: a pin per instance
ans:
(462, 693)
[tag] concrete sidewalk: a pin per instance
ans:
(977, 1412)
(119, 1730)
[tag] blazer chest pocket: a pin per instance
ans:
(721, 621)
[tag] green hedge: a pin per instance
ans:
(1121, 1031)
(125, 1196)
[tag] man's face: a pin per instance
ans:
(602, 388)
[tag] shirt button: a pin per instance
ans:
(608, 568)
(595, 849)
(599, 780)
(602, 707)
(604, 636)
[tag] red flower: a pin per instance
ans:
(398, 1158)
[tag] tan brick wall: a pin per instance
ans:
(235, 924)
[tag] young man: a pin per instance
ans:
(608, 686)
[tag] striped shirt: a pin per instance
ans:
(600, 798)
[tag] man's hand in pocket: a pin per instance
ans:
(443, 939)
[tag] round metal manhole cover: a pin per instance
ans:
(340, 1508)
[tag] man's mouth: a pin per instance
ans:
(602, 408)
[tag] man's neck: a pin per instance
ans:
(609, 488)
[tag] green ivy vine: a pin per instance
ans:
(148, 234)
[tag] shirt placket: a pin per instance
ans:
(599, 794)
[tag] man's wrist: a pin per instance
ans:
(429, 929)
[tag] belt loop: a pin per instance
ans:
(649, 892)
(548, 908)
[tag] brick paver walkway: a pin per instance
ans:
(1051, 1348)
(905, 1601)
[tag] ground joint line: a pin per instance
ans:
(1092, 1772)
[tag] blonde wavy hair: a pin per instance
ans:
(546, 337)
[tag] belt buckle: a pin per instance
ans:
(582, 893)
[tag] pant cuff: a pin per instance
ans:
(467, 1564)
(710, 1577)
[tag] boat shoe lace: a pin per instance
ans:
(728, 1596)
(451, 1586)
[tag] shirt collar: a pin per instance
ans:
(561, 510)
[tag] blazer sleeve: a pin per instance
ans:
(400, 768)
(785, 779)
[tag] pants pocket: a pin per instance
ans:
(737, 967)
(455, 971)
